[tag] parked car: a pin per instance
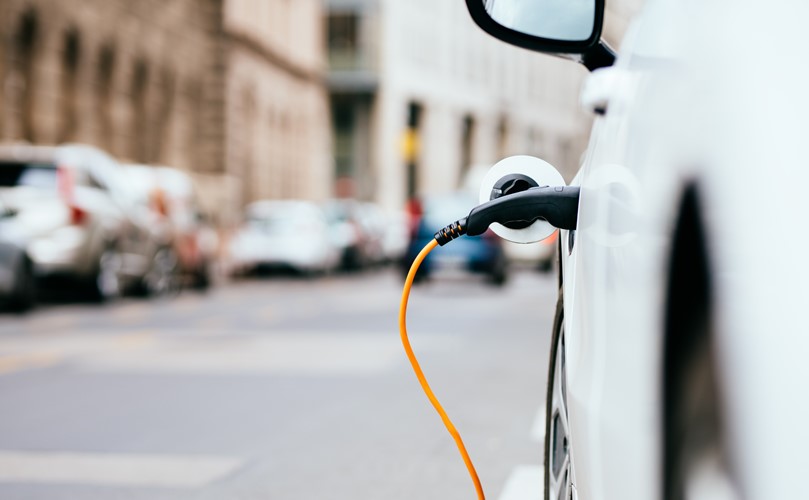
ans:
(17, 280)
(72, 204)
(172, 206)
(396, 237)
(287, 234)
(373, 222)
(349, 233)
(483, 255)
(678, 357)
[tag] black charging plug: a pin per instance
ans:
(559, 205)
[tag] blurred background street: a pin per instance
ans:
(276, 388)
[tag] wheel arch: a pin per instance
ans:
(688, 356)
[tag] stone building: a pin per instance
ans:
(230, 90)
(277, 125)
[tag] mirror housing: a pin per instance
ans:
(592, 52)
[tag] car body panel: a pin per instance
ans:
(699, 105)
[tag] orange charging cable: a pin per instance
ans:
(420, 374)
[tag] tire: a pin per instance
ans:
(498, 278)
(23, 297)
(499, 273)
(105, 282)
(201, 279)
(163, 275)
(422, 275)
(696, 462)
(558, 467)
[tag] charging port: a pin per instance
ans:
(511, 184)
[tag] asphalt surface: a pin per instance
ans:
(277, 388)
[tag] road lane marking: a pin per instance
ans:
(306, 354)
(227, 353)
(172, 471)
(524, 483)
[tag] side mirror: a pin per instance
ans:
(565, 28)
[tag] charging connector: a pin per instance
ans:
(559, 205)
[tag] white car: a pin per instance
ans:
(679, 356)
(71, 206)
(291, 234)
(18, 287)
(170, 203)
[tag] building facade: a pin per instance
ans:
(129, 77)
(420, 95)
(277, 133)
(230, 90)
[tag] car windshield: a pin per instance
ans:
(38, 175)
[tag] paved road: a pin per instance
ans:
(277, 388)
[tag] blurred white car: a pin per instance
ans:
(396, 236)
(291, 234)
(172, 206)
(73, 205)
(679, 356)
(17, 280)
(349, 233)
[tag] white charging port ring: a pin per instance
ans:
(542, 172)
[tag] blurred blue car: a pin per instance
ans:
(480, 255)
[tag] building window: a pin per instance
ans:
(502, 138)
(343, 41)
(194, 123)
(139, 130)
(26, 47)
(106, 70)
(343, 116)
(165, 107)
(467, 143)
(71, 56)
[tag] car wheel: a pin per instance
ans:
(105, 284)
(499, 275)
(558, 466)
(162, 277)
(697, 465)
(499, 278)
(201, 280)
(23, 296)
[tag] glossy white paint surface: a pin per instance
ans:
(715, 94)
